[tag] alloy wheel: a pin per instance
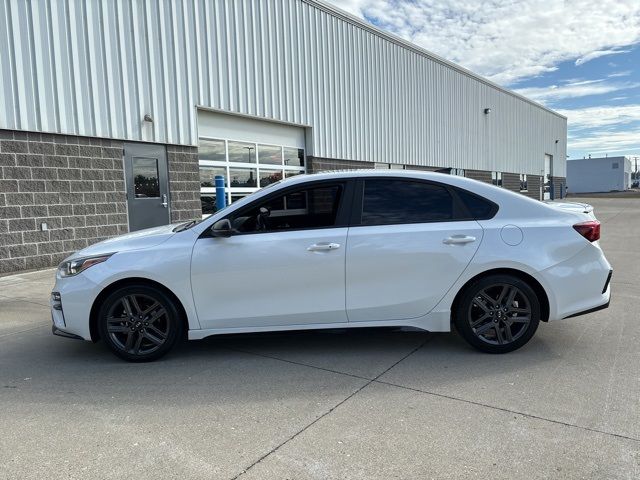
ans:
(499, 314)
(138, 324)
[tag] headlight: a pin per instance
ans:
(69, 268)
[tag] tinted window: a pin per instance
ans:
(389, 202)
(298, 209)
(478, 207)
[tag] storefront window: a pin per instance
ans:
(293, 157)
(208, 173)
(269, 155)
(212, 150)
(242, 152)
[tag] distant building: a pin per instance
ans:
(604, 174)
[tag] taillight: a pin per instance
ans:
(589, 230)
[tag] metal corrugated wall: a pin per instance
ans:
(96, 67)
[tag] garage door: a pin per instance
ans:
(248, 153)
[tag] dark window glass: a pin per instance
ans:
(208, 204)
(478, 207)
(145, 177)
(388, 202)
(307, 208)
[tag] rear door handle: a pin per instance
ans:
(458, 240)
(323, 247)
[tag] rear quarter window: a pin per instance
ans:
(480, 208)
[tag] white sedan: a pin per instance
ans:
(340, 250)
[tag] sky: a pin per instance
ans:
(578, 57)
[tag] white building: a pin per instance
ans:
(604, 174)
(151, 99)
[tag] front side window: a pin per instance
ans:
(311, 207)
(389, 202)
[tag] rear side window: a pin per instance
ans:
(389, 202)
(478, 207)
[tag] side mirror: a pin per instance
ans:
(222, 228)
(265, 212)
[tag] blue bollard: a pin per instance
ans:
(221, 199)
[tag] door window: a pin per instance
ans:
(389, 202)
(312, 207)
(145, 177)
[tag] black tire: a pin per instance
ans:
(139, 323)
(491, 320)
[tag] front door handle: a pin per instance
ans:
(323, 247)
(458, 240)
(164, 200)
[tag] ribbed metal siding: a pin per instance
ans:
(96, 67)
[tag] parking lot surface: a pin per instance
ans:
(332, 404)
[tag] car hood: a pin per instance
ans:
(146, 238)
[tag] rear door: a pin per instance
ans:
(410, 241)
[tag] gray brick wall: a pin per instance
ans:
(184, 183)
(480, 175)
(74, 184)
(559, 184)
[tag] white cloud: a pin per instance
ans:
(506, 40)
(602, 116)
(626, 73)
(604, 141)
(597, 54)
(573, 90)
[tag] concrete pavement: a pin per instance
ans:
(331, 404)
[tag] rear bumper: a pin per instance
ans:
(605, 289)
(579, 285)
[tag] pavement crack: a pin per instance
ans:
(328, 412)
(425, 392)
(507, 410)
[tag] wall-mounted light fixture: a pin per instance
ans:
(148, 118)
(557, 141)
(487, 111)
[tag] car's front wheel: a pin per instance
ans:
(139, 323)
(498, 313)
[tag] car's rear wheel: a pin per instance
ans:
(139, 323)
(498, 313)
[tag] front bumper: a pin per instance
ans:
(61, 333)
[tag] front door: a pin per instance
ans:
(407, 251)
(285, 264)
(147, 183)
